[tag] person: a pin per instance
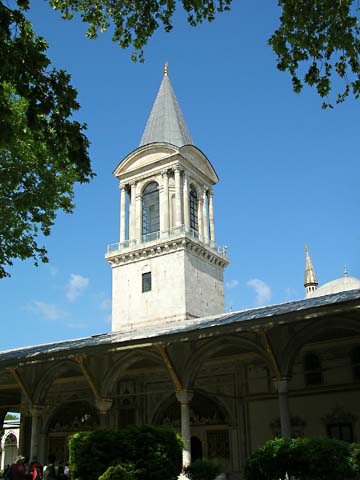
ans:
(60, 473)
(17, 470)
(36, 469)
(67, 470)
(50, 470)
(6, 473)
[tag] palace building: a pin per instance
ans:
(227, 381)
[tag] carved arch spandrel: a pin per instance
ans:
(309, 333)
(121, 366)
(216, 346)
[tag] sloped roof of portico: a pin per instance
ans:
(198, 328)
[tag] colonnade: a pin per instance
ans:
(184, 396)
(172, 217)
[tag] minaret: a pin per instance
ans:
(166, 266)
(310, 280)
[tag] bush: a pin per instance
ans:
(203, 470)
(154, 452)
(119, 472)
(303, 458)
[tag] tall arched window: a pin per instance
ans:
(312, 369)
(193, 201)
(355, 363)
(150, 209)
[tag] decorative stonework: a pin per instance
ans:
(149, 250)
(339, 415)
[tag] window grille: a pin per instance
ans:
(355, 363)
(340, 431)
(146, 282)
(312, 369)
(193, 201)
(218, 444)
(150, 209)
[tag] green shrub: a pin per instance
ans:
(203, 470)
(303, 458)
(119, 472)
(155, 452)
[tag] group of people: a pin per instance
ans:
(22, 469)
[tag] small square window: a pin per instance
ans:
(146, 282)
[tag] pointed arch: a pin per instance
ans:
(201, 404)
(120, 367)
(214, 347)
(308, 333)
(48, 378)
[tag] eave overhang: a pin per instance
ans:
(235, 322)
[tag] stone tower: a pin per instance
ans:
(166, 266)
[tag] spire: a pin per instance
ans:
(346, 274)
(310, 280)
(166, 122)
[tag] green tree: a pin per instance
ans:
(317, 41)
(42, 151)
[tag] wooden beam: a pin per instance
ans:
(166, 359)
(80, 359)
(270, 352)
(24, 388)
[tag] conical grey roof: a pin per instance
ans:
(166, 122)
(310, 276)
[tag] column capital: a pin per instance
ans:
(104, 405)
(184, 396)
(211, 192)
(165, 172)
(123, 186)
(281, 384)
(36, 410)
(177, 168)
(132, 183)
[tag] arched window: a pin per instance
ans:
(355, 363)
(150, 209)
(193, 201)
(312, 369)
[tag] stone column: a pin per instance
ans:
(138, 217)
(285, 422)
(186, 204)
(205, 219)
(36, 412)
(122, 213)
(177, 197)
(104, 405)
(132, 220)
(200, 218)
(164, 213)
(185, 397)
(211, 217)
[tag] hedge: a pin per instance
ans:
(154, 452)
(305, 459)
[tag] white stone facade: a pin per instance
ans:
(185, 264)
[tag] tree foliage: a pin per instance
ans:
(317, 42)
(304, 459)
(43, 152)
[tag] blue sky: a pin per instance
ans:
(288, 170)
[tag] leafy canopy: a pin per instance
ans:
(42, 151)
(317, 41)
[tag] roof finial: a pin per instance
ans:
(166, 69)
(310, 280)
(345, 271)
